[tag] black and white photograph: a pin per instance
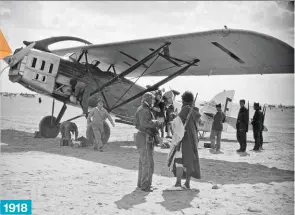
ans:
(147, 107)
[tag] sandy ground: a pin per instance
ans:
(65, 180)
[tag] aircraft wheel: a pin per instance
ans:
(46, 129)
(107, 133)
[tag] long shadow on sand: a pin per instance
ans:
(129, 200)
(178, 200)
(124, 155)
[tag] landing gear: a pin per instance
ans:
(48, 129)
(49, 125)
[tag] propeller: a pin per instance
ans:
(14, 59)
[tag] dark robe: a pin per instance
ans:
(190, 156)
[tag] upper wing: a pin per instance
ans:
(221, 52)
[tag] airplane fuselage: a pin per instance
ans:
(49, 74)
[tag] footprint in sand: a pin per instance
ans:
(255, 210)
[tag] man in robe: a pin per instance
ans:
(185, 163)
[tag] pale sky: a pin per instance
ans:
(104, 22)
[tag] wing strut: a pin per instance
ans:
(132, 68)
(85, 52)
(160, 83)
(169, 78)
(90, 73)
(135, 81)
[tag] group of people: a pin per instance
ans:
(95, 126)
(95, 118)
(164, 111)
(157, 112)
(242, 125)
(183, 159)
(187, 165)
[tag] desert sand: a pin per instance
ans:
(65, 180)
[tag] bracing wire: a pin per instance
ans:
(135, 81)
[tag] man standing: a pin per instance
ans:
(198, 122)
(261, 129)
(66, 128)
(217, 127)
(145, 140)
(170, 115)
(159, 110)
(242, 126)
(187, 162)
(256, 122)
(95, 121)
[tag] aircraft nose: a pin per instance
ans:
(18, 55)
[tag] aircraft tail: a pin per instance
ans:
(224, 98)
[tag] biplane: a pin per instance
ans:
(107, 68)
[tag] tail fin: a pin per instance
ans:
(4, 47)
(224, 98)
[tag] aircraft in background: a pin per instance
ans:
(105, 67)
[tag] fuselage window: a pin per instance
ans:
(42, 65)
(50, 68)
(34, 62)
(36, 76)
(44, 78)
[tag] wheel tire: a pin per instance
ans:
(106, 133)
(46, 129)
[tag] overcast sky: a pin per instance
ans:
(104, 22)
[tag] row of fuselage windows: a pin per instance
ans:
(34, 62)
(39, 77)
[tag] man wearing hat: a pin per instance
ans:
(145, 140)
(95, 121)
(242, 126)
(217, 127)
(256, 122)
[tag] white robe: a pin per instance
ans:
(178, 133)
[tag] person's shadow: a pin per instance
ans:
(178, 200)
(243, 154)
(135, 198)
